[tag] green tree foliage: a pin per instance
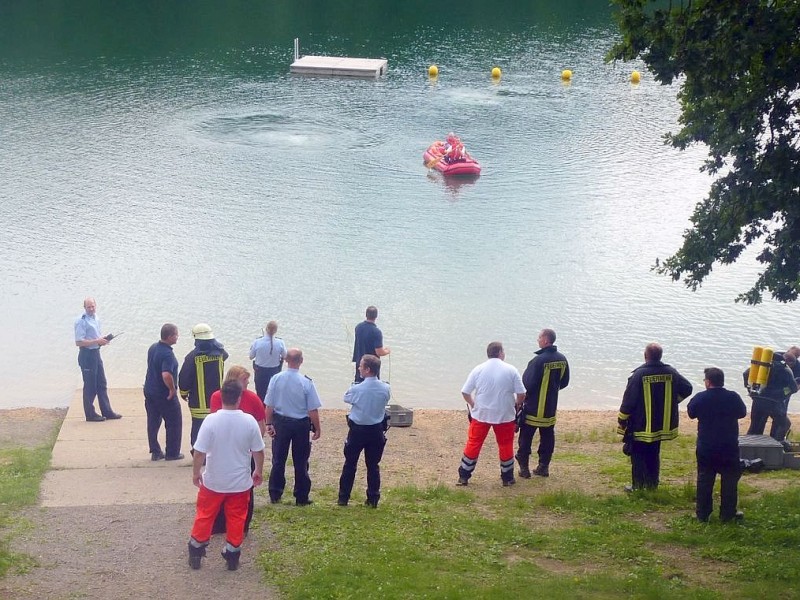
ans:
(738, 62)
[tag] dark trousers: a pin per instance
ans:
(262, 377)
(547, 443)
(292, 433)
(94, 382)
(370, 439)
(645, 464)
(727, 466)
(160, 409)
(196, 423)
(763, 409)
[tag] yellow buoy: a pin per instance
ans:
(636, 77)
(566, 74)
(433, 71)
(496, 73)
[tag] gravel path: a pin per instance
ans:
(126, 552)
(119, 552)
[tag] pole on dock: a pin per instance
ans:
(296, 49)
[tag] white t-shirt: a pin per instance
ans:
(227, 437)
(493, 386)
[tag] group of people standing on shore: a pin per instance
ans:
(500, 399)
(229, 421)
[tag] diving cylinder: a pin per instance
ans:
(764, 367)
(754, 366)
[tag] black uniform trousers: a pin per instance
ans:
(371, 440)
(708, 466)
(160, 409)
(645, 464)
(196, 424)
(292, 433)
(94, 382)
(262, 378)
(547, 443)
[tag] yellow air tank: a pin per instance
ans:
(763, 370)
(754, 366)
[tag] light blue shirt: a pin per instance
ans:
(368, 399)
(292, 395)
(268, 352)
(87, 328)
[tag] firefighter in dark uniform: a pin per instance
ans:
(773, 400)
(546, 374)
(201, 374)
(649, 414)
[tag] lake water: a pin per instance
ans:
(160, 157)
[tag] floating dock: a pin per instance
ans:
(340, 66)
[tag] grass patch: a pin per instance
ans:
(606, 435)
(449, 543)
(21, 472)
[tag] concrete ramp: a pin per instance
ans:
(108, 463)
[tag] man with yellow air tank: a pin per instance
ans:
(769, 382)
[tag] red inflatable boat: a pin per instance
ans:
(450, 158)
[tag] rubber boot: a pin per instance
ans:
(542, 470)
(524, 470)
(232, 558)
(196, 555)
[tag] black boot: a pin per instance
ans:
(524, 470)
(232, 558)
(542, 470)
(195, 555)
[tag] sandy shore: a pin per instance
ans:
(89, 562)
(426, 453)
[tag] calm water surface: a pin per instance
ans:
(165, 162)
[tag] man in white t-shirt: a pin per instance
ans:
(226, 441)
(493, 391)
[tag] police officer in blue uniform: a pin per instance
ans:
(367, 425)
(267, 353)
(292, 411)
(89, 340)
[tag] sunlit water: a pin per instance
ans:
(219, 188)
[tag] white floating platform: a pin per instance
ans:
(334, 65)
